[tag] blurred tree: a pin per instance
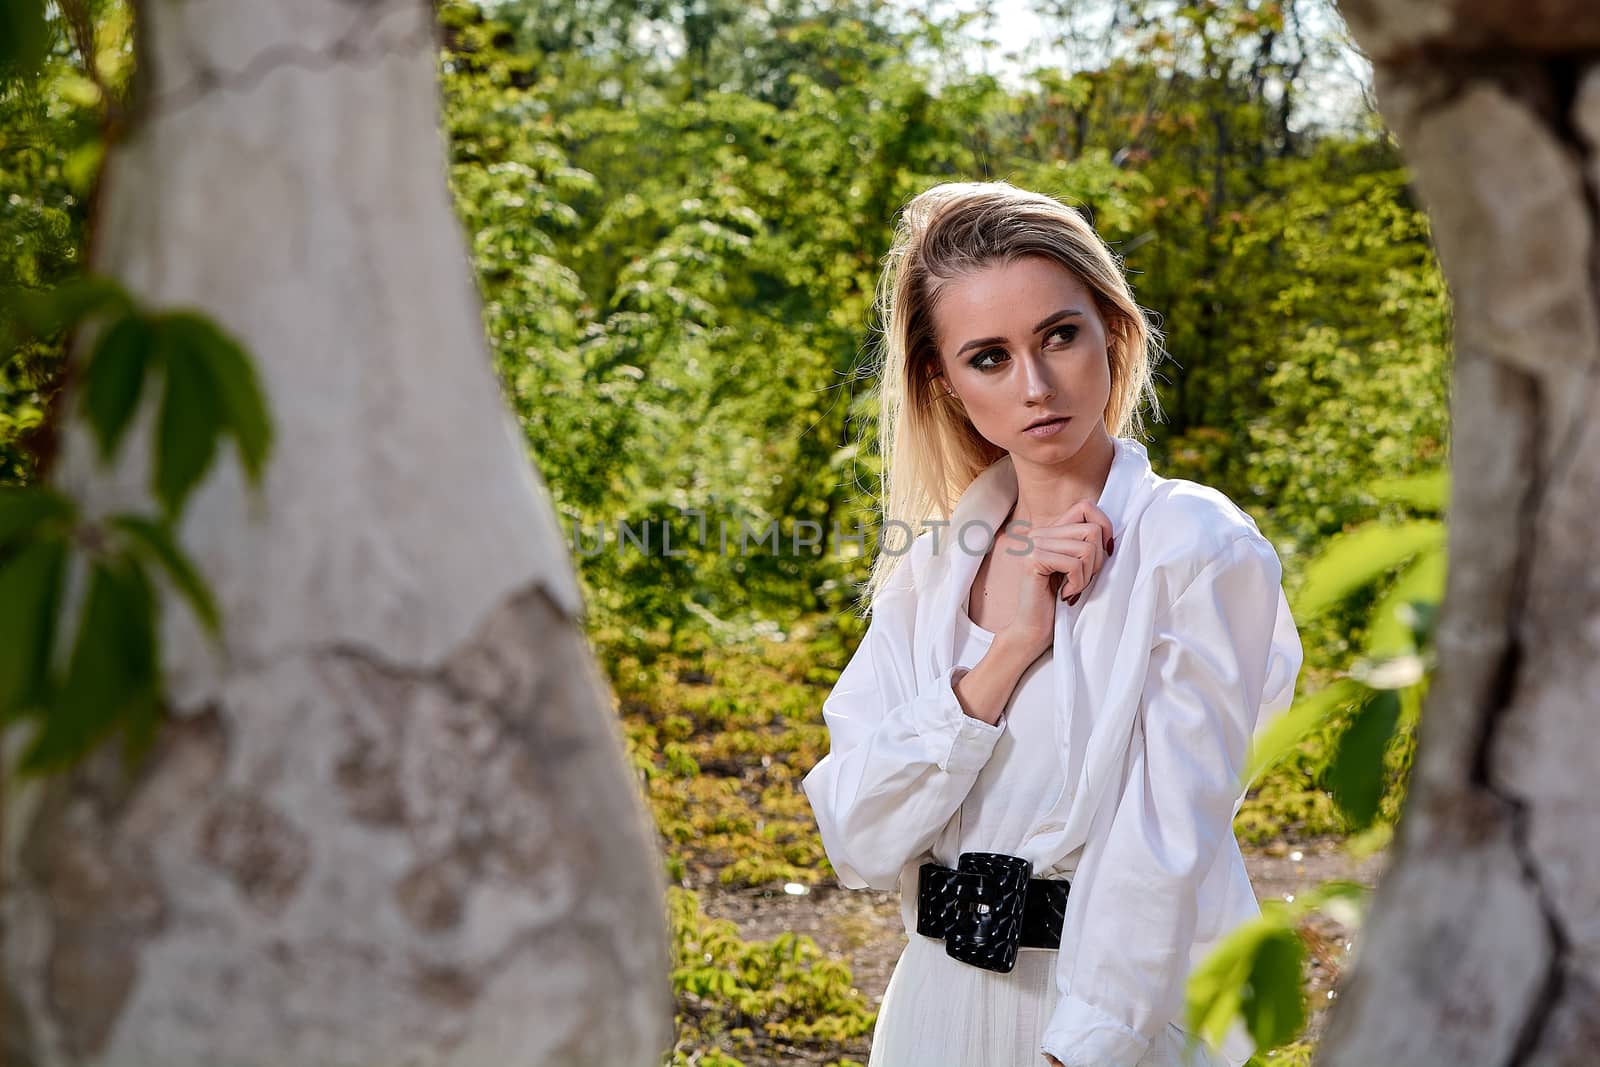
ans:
(391, 821)
(1480, 946)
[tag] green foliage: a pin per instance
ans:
(677, 259)
(1297, 1054)
(1273, 1014)
(1359, 365)
(1389, 577)
(50, 147)
(110, 682)
(1280, 735)
(1255, 973)
(24, 38)
(30, 582)
(153, 541)
(43, 313)
(59, 567)
(734, 994)
(210, 392)
(1357, 558)
(721, 735)
(1382, 692)
(1356, 772)
(209, 386)
(111, 679)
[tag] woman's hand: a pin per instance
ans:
(1052, 1060)
(1063, 557)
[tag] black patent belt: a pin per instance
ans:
(988, 906)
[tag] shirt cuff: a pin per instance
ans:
(972, 740)
(1081, 1035)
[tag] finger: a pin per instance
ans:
(1018, 535)
(1082, 531)
(1089, 549)
(1086, 532)
(1075, 576)
(1078, 562)
(1071, 567)
(1078, 582)
(1087, 511)
(1044, 560)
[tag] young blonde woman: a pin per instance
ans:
(1040, 740)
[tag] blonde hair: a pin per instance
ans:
(930, 450)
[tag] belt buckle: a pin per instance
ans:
(985, 925)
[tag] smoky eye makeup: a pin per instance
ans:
(976, 362)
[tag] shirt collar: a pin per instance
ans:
(993, 492)
(986, 501)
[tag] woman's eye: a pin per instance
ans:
(980, 361)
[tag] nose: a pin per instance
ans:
(1037, 385)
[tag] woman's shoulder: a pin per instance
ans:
(1189, 524)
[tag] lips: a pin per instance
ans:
(1045, 422)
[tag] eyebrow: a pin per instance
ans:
(1046, 323)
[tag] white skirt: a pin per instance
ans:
(940, 1012)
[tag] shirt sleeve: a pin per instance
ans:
(1220, 656)
(901, 756)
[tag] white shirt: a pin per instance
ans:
(1022, 778)
(1179, 649)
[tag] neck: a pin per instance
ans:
(1046, 490)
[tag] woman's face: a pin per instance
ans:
(1021, 342)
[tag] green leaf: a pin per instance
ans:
(189, 422)
(42, 313)
(156, 541)
(30, 589)
(1285, 731)
(1356, 774)
(1355, 559)
(23, 510)
(111, 679)
(1273, 1005)
(1427, 492)
(1395, 620)
(1215, 988)
(244, 408)
(114, 379)
(24, 38)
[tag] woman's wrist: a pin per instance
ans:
(985, 690)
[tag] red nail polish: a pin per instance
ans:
(1073, 599)
(1110, 541)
